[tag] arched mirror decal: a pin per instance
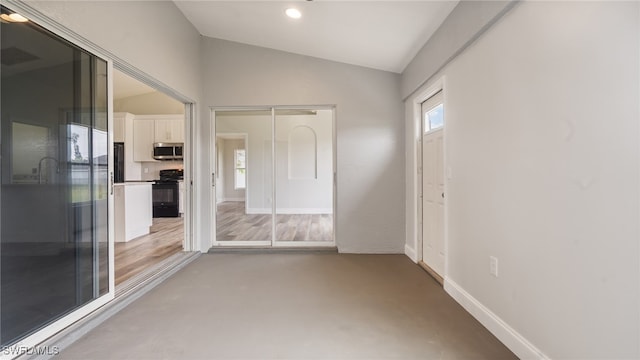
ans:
(303, 153)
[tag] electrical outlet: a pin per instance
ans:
(493, 266)
(146, 170)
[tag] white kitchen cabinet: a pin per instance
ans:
(133, 210)
(123, 132)
(132, 170)
(169, 130)
(150, 129)
(119, 127)
(143, 139)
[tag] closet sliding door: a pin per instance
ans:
(243, 177)
(273, 176)
(304, 176)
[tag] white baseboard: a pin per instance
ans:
(290, 211)
(505, 333)
(294, 211)
(257, 211)
(234, 199)
(411, 253)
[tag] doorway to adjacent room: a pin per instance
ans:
(150, 194)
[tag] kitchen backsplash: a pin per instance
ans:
(151, 170)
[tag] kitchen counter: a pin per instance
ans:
(133, 210)
(141, 182)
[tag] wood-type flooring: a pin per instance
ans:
(233, 224)
(164, 240)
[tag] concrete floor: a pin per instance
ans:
(293, 306)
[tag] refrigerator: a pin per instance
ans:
(118, 162)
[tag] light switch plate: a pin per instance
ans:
(493, 266)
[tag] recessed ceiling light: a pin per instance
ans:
(293, 13)
(18, 18)
(13, 17)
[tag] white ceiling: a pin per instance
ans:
(125, 86)
(383, 35)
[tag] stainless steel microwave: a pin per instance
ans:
(167, 151)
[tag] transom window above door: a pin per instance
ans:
(433, 112)
(434, 118)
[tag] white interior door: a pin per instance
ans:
(433, 246)
(433, 202)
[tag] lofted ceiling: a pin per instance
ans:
(125, 86)
(383, 35)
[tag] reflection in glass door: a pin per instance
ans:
(274, 193)
(243, 177)
(304, 176)
(54, 179)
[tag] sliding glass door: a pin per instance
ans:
(243, 177)
(304, 176)
(54, 193)
(273, 177)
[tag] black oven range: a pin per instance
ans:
(166, 192)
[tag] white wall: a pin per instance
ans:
(467, 21)
(542, 137)
(369, 129)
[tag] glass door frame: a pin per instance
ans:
(273, 242)
(39, 336)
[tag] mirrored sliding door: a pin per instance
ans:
(273, 176)
(54, 191)
(243, 176)
(304, 176)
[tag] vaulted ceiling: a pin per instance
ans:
(383, 35)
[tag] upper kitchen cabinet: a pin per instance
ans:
(150, 129)
(123, 129)
(118, 127)
(143, 139)
(169, 130)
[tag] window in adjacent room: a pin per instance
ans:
(240, 169)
